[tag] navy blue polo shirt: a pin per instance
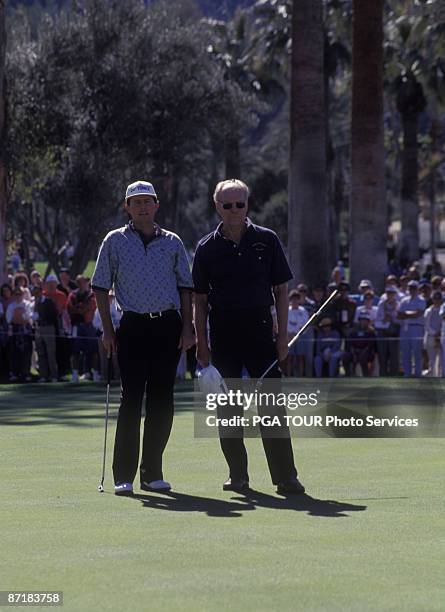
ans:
(240, 276)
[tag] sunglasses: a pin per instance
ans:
(230, 205)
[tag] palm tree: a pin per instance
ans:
(308, 207)
(230, 49)
(368, 214)
(3, 193)
(410, 103)
(414, 69)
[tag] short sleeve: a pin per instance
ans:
(182, 268)
(200, 276)
(103, 273)
(280, 270)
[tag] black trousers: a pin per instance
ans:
(148, 355)
(244, 338)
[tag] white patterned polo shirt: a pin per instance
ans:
(146, 277)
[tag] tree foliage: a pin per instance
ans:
(108, 93)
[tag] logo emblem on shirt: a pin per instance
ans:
(259, 246)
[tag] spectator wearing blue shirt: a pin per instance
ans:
(365, 286)
(410, 314)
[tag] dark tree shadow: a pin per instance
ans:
(182, 502)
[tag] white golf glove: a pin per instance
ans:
(211, 381)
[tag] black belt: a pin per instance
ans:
(151, 315)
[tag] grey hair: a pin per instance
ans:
(230, 183)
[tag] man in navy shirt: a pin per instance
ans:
(239, 272)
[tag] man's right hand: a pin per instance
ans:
(109, 342)
(203, 354)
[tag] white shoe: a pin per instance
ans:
(123, 488)
(156, 485)
(86, 376)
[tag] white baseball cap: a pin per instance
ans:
(365, 283)
(52, 277)
(140, 188)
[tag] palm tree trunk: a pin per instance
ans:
(368, 218)
(333, 220)
(3, 183)
(409, 239)
(308, 214)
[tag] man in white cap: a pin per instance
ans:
(150, 272)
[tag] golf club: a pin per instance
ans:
(300, 332)
(100, 488)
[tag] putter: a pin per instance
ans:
(100, 488)
(298, 334)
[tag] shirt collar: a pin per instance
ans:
(218, 230)
(158, 229)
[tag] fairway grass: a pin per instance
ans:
(368, 536)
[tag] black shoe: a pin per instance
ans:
(156, 486)
(290, 487)
(237, 485)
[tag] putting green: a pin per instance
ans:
(369, 535)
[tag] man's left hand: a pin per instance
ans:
(282, 349)
(187, 339)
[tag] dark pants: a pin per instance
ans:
(388, 350)
(21, 351)
(148, 354)
(244, 338)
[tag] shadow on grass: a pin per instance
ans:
(74, 405)
(181, 502)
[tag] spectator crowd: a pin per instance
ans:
(50, 329)
(400, 332)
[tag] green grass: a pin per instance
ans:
(367, 537)
(40, 266)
